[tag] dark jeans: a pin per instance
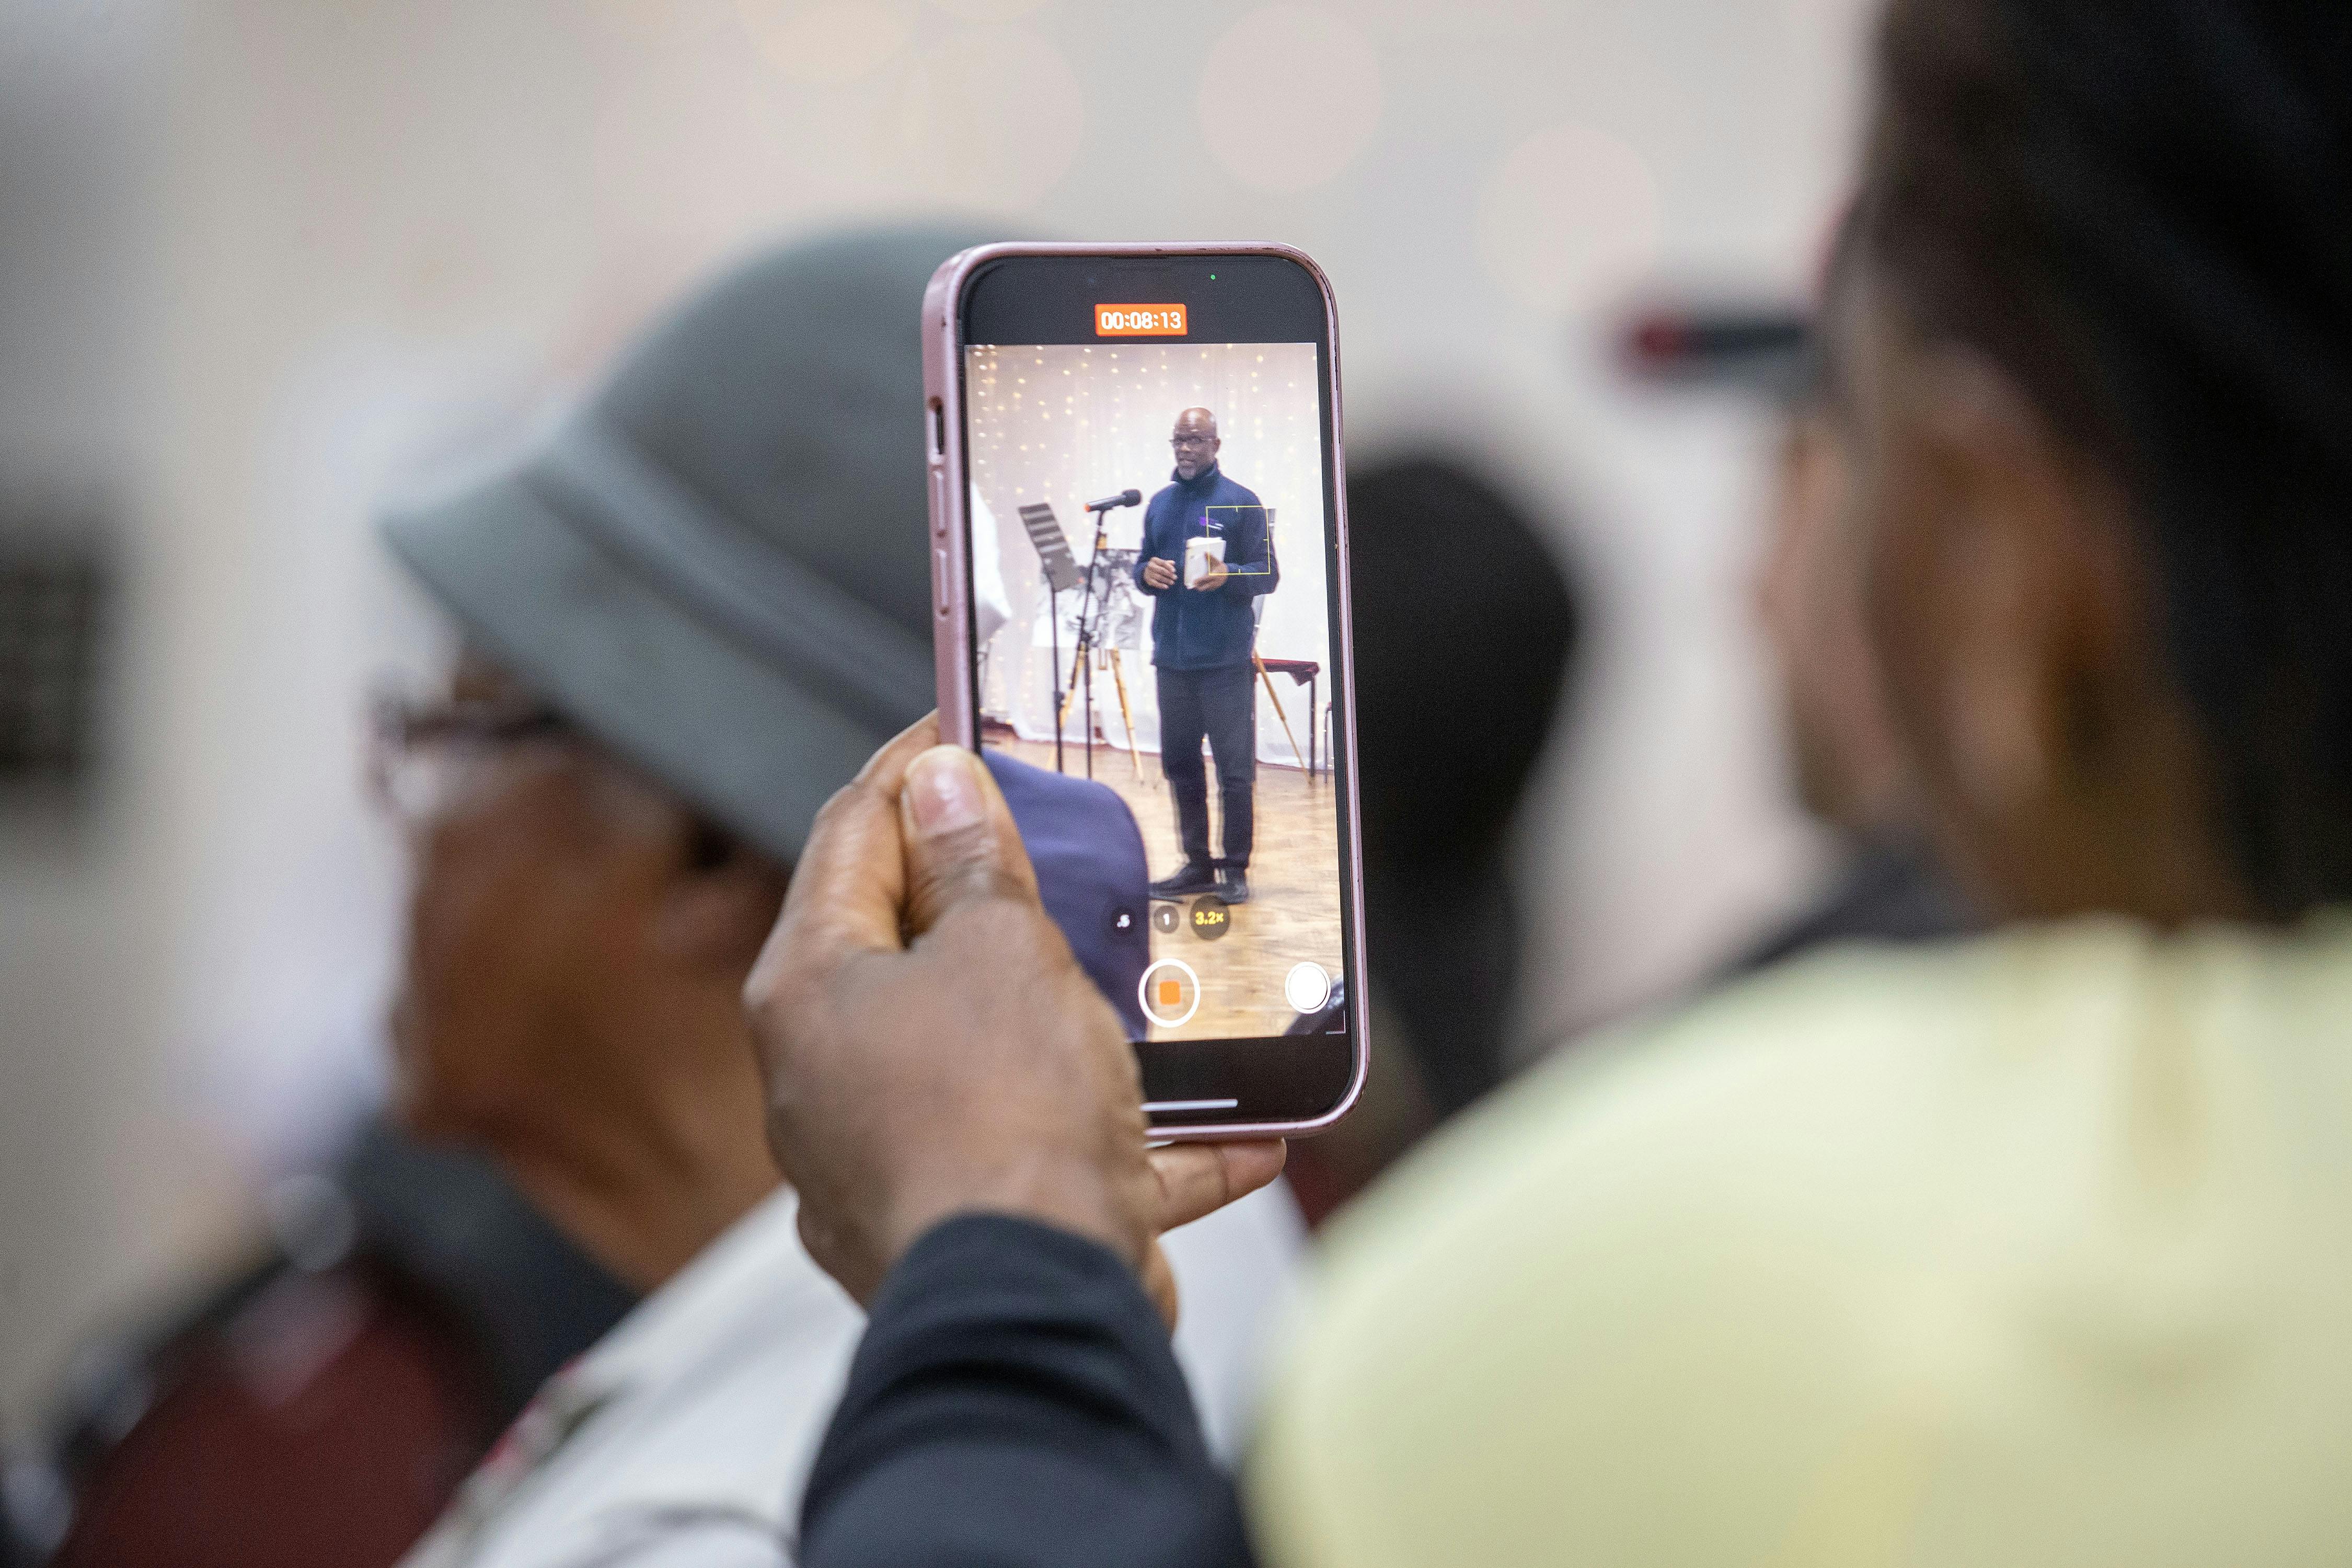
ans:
(1222, 705)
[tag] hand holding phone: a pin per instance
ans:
(1190, 660)
(985, 1013)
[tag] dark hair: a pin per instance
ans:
(2142, 210)
(1464, 626)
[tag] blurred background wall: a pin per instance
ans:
(262, 261)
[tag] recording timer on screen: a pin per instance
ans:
(1140, 322)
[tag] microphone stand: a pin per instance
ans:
(1054, 621)
(1089, 617)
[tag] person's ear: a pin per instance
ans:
(719, 903)
(2039, 604)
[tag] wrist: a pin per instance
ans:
(1049, 1187)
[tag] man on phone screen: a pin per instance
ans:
(1204, 638)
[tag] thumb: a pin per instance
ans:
(961, 841)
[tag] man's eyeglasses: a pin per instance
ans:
(422, 757)
(1181, 442)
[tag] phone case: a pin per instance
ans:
(952, 627)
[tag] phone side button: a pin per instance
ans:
(939, 502)
(939, 579)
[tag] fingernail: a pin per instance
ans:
(943, 791)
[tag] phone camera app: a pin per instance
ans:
(1151, 579)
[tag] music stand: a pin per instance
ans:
(1061, 571)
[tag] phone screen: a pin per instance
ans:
(1156, 584)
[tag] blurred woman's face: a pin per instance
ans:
(2015, 627)
(535, 862)
(488, 976)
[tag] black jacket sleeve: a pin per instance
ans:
(1015, 1403)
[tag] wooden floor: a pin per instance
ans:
(1293, 915)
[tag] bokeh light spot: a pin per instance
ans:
(1568, 218)
(989, 117)
(831, 41)
(1289, 96)
(987, 10)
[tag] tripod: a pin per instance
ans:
(1126, 712)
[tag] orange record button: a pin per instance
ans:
(1140, 322)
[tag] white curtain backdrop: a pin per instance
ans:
(1067, 424)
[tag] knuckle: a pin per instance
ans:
(764, 987)
(970, 873)
(994, 911)
(777, 990)
(856, 797)
(840, 800)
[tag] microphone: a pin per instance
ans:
(1124, 497)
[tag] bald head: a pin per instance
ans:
(1194, 441)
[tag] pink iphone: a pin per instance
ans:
(1139, 566)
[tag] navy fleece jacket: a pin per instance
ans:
(1213, 628)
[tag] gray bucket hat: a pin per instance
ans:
(718, 566)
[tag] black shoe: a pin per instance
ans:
(1194, 878)
(1234, 886)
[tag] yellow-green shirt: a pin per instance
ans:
(2033, 1250)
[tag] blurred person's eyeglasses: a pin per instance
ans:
(1183, 441)
(426, 757)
